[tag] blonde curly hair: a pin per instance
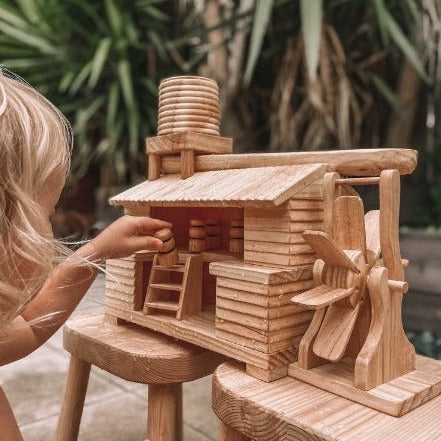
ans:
(35, 144)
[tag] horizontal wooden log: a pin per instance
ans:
(273, 236)
(259, 274)
(357, 162)
(278, 248)
(274, 224)
(265, 347)
(273, 290)
(278, 259)
(258, 311)
(305, 204)
(269, 325)
(294, 215)
(262, 336)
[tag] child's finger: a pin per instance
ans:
(147, 224)
(147, 243)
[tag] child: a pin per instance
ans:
(35, 297)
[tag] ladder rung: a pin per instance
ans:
(167, 286)
(176, 268)
(169, 306)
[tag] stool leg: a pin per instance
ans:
(73, 400)
(179, 422)
(229, 434)
(163, 413)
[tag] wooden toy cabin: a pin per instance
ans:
(233, 299)
(276, 259)
(234, 295)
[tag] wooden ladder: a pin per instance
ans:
(162, 287)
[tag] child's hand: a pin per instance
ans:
(124, 237)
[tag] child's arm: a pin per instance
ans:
(9, 428)
(70, 280)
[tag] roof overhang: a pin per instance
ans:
(263, 186)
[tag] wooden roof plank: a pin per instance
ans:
(265, 186)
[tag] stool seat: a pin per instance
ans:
(134, 353)
(288, 409)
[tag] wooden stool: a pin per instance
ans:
(288, 409)
(135, 354)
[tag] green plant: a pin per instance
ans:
(100, 63)
(340, 59)
(308, 74)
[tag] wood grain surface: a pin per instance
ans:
(363, 162)
(268, 186)
(136, 354)
(290, 410)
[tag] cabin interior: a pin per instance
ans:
(216, 247)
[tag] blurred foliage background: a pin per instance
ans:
(293, 74)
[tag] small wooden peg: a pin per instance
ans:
(398, 286)
(168, 245)
(163, 234)
(197, 236)
(236, 246)
(236, 232)
(196, 245)
(168, 256)
(236, 223)
(197, 223)
(212, 229)
(187, 163)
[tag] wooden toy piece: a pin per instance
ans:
(236, 234)
(133, 354)
(168, 256)
(213, 238)
(197, 236)
(235, 246)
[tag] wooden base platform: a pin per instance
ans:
(396, 398)
(200, 330)
(290, 410)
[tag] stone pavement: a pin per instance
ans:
(115, 410)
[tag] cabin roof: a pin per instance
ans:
(263, 186)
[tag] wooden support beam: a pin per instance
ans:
(187, 163)
(372, 180)
(361, 162)
(154, 167)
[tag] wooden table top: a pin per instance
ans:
(288, 409)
